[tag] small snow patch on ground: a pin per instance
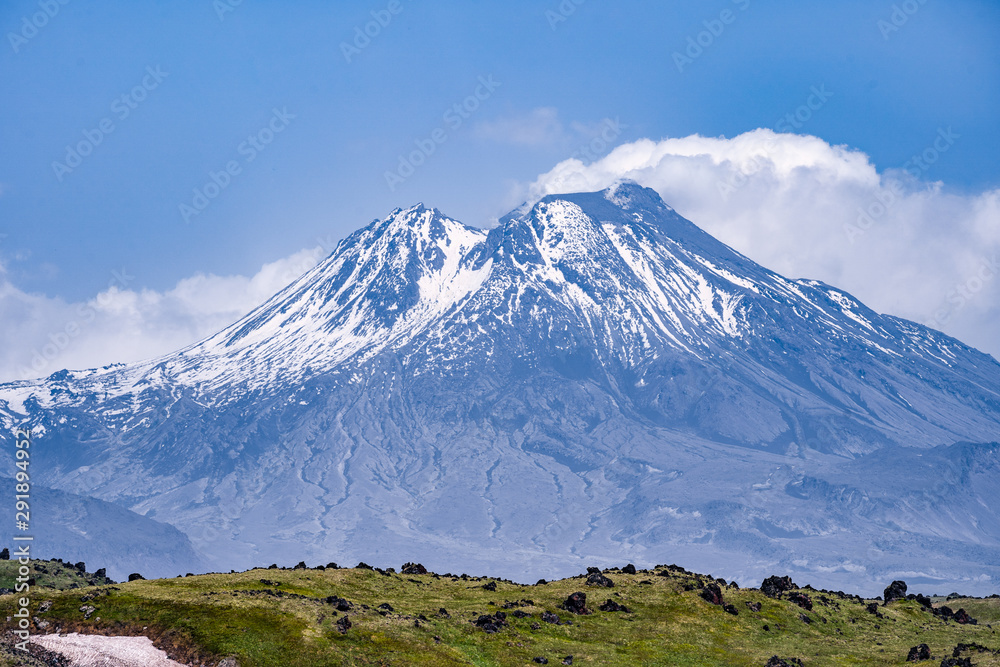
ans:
(101, 651)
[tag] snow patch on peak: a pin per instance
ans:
(563, 230)
(627, 194)
(380, 290)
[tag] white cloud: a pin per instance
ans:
(807, 209)
(42, 334)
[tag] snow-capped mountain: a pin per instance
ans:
(594, 380)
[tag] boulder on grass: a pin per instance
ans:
(894, 591)
(576, 604)
(774, 586)
(917, 653)
(712, 594)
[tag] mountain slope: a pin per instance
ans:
(595, 377)
(103, 535)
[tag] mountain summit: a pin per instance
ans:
(594, 380)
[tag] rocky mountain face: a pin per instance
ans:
(593, 381)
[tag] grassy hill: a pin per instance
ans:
(360, 616)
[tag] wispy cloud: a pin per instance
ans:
(538, 127)
(42, 334)
(541, 127)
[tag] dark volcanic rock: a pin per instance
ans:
(541, 661)
(386, 607)
(712, 594)
(576, 603)
(491, 586)
(135, 576)
(730, 609)
(611, 605)
(491, 624)
(921, 652)
(628, 569)
(774, 586)
(775, 661)
(344, 624)
(340, 604)
(413, 568)
(802, 600)
(957, 662)
(598, 579)
(894, 591)
(753, 606)
(961, 648)
(962, 616)
(549, 617)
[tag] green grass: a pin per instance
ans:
(208, 617)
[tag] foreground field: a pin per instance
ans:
(360, 616)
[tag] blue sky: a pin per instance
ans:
(201, 80)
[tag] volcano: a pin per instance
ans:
(594, 381)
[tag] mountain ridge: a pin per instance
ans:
(429, 385)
